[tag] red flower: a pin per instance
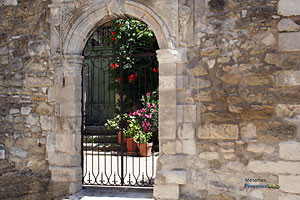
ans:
(118, 80)
(113, 33)
(136, 75)
(131, 78)
(155, 69)
(114, 65)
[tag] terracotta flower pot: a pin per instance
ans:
(131, 146)
(145, 149)
(120, 137)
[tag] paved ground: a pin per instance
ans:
(113, 193)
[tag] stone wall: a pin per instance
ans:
(25, 116)
(229, 95)
(237, 105)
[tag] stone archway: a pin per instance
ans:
(64, 146)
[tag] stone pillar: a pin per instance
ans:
(170, 68)
(64, 148)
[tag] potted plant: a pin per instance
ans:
(133, 128)
(147, 119)
(114, 124)
(142, 140)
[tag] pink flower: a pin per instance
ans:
(148, 124)
(148, 116)
(148, 94)
(153, 111)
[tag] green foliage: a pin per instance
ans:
(133, 128)
(133, 44)
(142, 138)
(90, 140)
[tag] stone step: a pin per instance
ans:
(108, 147)
(101, 139)
(101, 147)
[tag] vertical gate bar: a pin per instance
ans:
(122, 124)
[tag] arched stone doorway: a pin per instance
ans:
(67, 43)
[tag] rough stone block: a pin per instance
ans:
(169, 147)
(30, 82)
(170, 191)
(70, 109)
(182, 82)
(167, 82)
(32, 119)
(51, 142)
(75, 187)
(287, 110)
(186, 131)
(289, 150)
(248, 132)
(167, 130)
(189, 147)
(68, 143)
(16, 151)
(175, 177)
(280, 167)
(73, 80)
(66, 174)
(171, 162)
(47, 123)
(167, 97)
(261, 148)
(45, 109)
(64, 160)
(218, 131)
(9, 2)
(287, 78)
(25, 110)
(69, 124)
(70, 94)
(167, 113)
(209, 155)
(13, 111)
(288, 25)
(289, 41)
(199, 83)
(289, 183)
(186, 113)
(289, 7)
(167, 69)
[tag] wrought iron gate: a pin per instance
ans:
(114, 81)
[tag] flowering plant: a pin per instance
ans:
(130, 37)
(115, 122)
(146, 117)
